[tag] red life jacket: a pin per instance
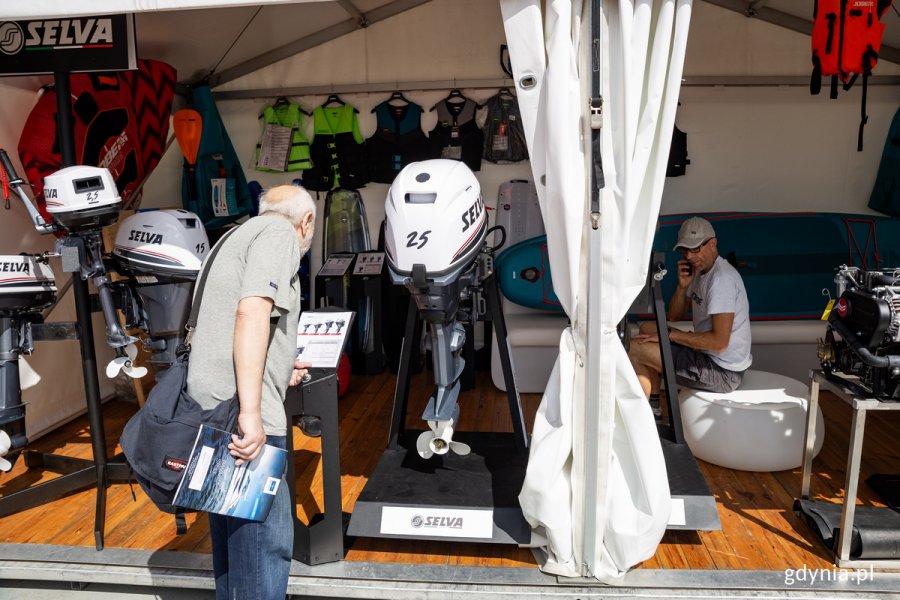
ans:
(846, 38)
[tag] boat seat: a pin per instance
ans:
(758, 427)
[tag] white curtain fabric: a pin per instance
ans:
(616, 519)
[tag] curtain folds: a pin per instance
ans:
(626, 501)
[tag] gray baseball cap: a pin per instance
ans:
(694, 232)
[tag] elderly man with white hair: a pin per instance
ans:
(245, 341)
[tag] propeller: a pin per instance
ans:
(440, 441)
(5, 445)
(125, 363)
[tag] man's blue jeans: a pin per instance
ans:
(251, 560)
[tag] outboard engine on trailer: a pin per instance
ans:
(161, 252)
(81, 200)
(435, 229)
(27, 287)
(866, 316)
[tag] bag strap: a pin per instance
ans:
(198, 293)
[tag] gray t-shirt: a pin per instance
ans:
(260, 259)
(721, 290)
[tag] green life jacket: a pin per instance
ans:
(286, 115)
(338, 151)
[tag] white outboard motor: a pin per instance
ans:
(435, 229)
(27, 286)
(162, 251)
(82, 198)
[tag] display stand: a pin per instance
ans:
(452, 498)
(693, 505)
(76, 473)
(861, 405)
(321, 541)
(366, 286)
(331, 281)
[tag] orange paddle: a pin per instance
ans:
(188, 126)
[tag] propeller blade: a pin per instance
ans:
(423, 444)
(131, 351)
(460, 448)
(134, 372)
(115, 365)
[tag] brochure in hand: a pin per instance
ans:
(212, 482)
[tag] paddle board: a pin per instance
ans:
(523, 272)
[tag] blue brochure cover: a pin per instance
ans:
(213, 483)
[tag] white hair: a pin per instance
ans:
(291, 201)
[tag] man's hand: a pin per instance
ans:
(300, 369)
(643, 338)
(252, 437)
(685, 274)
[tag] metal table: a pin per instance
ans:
(860, 407)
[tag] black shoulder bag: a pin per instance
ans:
(157, 441)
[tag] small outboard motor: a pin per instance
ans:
(82, 198)
(161, 251)
(27, 286)
(435, 228)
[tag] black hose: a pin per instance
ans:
(864, 353)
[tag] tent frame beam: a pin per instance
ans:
(315, 39)
(756, 10)
(365, 88)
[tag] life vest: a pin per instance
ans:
(457, 135)
(120, 122)
(885, 195)
(285, 114)
(215, 189)
(337, 150)
(504, 137)
(846, 38)
(398, 140)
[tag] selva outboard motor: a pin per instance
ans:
(161, 252)
(435, 228)
(27, 286)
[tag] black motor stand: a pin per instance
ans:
(76, 473)
(451, 497)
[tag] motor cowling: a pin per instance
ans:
(27, 284)
(434, 216)
(169, 242)
(82, 198)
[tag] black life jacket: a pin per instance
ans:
(338, 151)
(457, 135)
(846, 38)
(398, 140)
(504, 137)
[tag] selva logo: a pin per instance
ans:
(435, 522)
(145, 237)
(22, 267)
(470, 217)
(69, 32)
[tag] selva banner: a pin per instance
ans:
(75, 44)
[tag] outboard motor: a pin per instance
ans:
(435, 228)
(866, 317)
(27, 286)
(161, 251)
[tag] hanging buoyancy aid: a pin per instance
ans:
(457, 135)
(290, 116)
(337, 150)
(398, 140)
(504, 137)
(846, 38)
(885, 195)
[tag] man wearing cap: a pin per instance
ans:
(715, 355)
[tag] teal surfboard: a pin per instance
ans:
(787, 260)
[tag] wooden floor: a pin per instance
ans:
(759, 530)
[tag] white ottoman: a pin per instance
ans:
(757, 427)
